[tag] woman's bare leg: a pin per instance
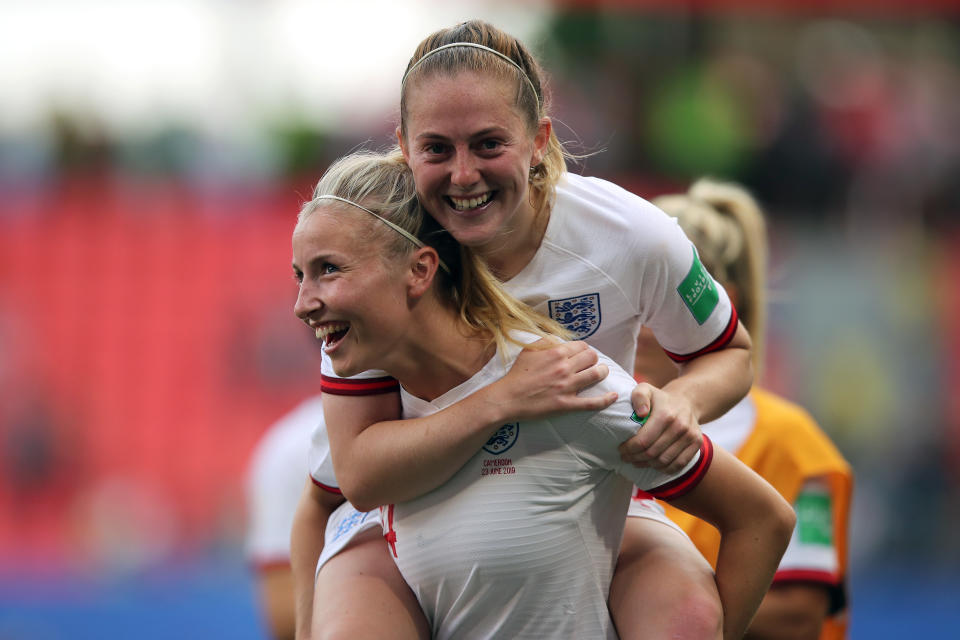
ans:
(361, 594)
(662, 586)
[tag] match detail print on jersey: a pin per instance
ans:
(698, 291)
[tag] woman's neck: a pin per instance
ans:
(513, 249)
(439, 355)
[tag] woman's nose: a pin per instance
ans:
(307, 302)
(465, 172)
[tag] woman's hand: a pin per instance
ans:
(545, 381)
(671, 436)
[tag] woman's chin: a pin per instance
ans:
(344, 369)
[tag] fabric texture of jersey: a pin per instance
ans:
(782, 443)
(275, 479)
(531, 525)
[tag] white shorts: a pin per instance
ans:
(345, 524)
(651, 510)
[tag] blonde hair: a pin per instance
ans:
(383, 184)
(532, 100)
(727, 226)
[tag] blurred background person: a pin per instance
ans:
(275, 477)
(776, 438)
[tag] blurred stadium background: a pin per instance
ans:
(153, 156)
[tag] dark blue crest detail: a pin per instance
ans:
(579, 315)
(503, 439)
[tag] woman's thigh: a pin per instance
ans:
(360, 594)
(663, 587)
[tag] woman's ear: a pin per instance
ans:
(541, 140)
(423, 268)
(403, 144)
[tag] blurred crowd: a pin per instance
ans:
(146, 332)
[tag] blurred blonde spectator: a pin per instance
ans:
(773, 436)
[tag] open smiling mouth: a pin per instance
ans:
(469, 204)
(332, 334)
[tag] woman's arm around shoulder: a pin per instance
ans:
(380, 459)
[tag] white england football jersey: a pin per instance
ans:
(522, 541)
(277, 470)
(611, 262)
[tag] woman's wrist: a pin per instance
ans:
(492, 404)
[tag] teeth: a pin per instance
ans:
(327, 329)
(461, 204)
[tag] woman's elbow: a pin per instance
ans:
(782, 519)
(359, 495)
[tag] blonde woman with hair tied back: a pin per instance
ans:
(776, 438)
(521, 538)
(487, 166)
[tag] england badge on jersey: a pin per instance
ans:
(503, 439)
(579, 315)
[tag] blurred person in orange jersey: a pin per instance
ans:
(275, 475)
(776, 438)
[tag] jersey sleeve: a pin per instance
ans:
(319, 461)
(687, 309)
(618, 423)
(812, 555)
(368, 383)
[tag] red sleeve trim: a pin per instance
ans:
(680, 486)
(806, 575)
(327, 487)
(722, 341)
(358, 386)
(264, 565)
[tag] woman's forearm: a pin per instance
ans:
(746, 563)
(755, 524)
(792, 611)
(713, 383)
(397, 460)
(381, 460)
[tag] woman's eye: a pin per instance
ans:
(490, 145)
(328, 268)
(436, 148)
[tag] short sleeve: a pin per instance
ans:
(371, 382)
(618, 423)
(319, 460)
(812, 553)
(687, 309)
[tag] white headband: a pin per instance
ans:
(474, 46)
(406, 234)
